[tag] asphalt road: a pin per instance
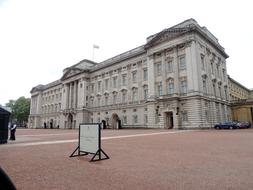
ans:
(139, 159)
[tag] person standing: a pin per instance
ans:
(13, 131)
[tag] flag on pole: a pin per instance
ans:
(95, 46)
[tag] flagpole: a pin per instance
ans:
(93, 53)
(94, 46)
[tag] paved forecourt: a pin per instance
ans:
(139, 159)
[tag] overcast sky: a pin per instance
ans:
(39, 38)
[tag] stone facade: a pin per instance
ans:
(241, 101)
(178, 79)
(237, 91)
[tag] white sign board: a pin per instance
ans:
(89, 138)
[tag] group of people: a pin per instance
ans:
(51, 125)
(12, 127)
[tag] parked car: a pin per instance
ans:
(244, 125)
(227, 125)
(21, 125)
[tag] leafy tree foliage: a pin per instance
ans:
(20, 109)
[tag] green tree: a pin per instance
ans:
(20, 109)
(10, 104)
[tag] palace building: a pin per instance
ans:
(241, 101)
(177, 79)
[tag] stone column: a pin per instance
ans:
(70, 95)
(151, 76)
(67, 96)
(192, 67)
(74, 94)
(176, 71)
(31, 106)
(164, 74)
(77, 84)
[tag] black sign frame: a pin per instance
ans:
(98, 154)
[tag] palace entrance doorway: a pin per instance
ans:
(169, 120)
(70, 121)
(115, 121)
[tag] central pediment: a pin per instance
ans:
(78, 68)
(71, 72)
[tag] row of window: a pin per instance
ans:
(214, 71)
(53, 91)
(56, 97)
(115, 97)
(125, 119)
(134, 95)
(204, 82)
(171, 87)
(169, 65)
(51, 108)
(116, 81)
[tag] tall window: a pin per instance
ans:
(159, 68)
(114, 82)
(91, 102)
(171, 87)
(92, 88)
(99, 100)
(134, 98)
(183, 85)
(211, 67)
(220, 90)
(106, 100)
(145, 74)
(145, 118)
(135, 119)
(226, 93)
(202, 62)
(124, 80)
(99, 85)
(214, 89)
(160, 89)
(170, 66)
(218, 70)
(134, 76)
(114, 98)
(224, 74)
(182, 63)
(124, 119)
(124, 97)
(204, 86)
(106, 84)
(145, 92)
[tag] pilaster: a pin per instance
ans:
(192, 67)
(151, 76)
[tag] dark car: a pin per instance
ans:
(227, 125)
(244, 125)
(21, 125)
